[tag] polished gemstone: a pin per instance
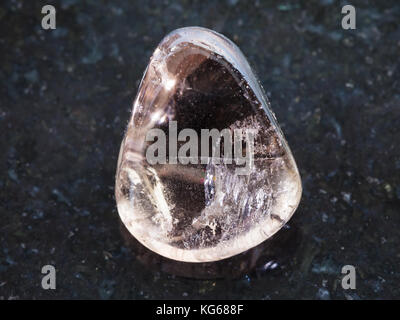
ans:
(189, 195)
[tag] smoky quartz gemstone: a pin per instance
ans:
(204, 171)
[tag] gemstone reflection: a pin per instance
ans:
(203, 211)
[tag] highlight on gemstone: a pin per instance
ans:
(204, 171)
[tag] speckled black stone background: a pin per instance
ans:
(65, 98)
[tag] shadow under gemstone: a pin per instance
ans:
(276, 251)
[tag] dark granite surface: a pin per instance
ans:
(65, 98)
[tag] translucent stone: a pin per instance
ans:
(203, 211)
